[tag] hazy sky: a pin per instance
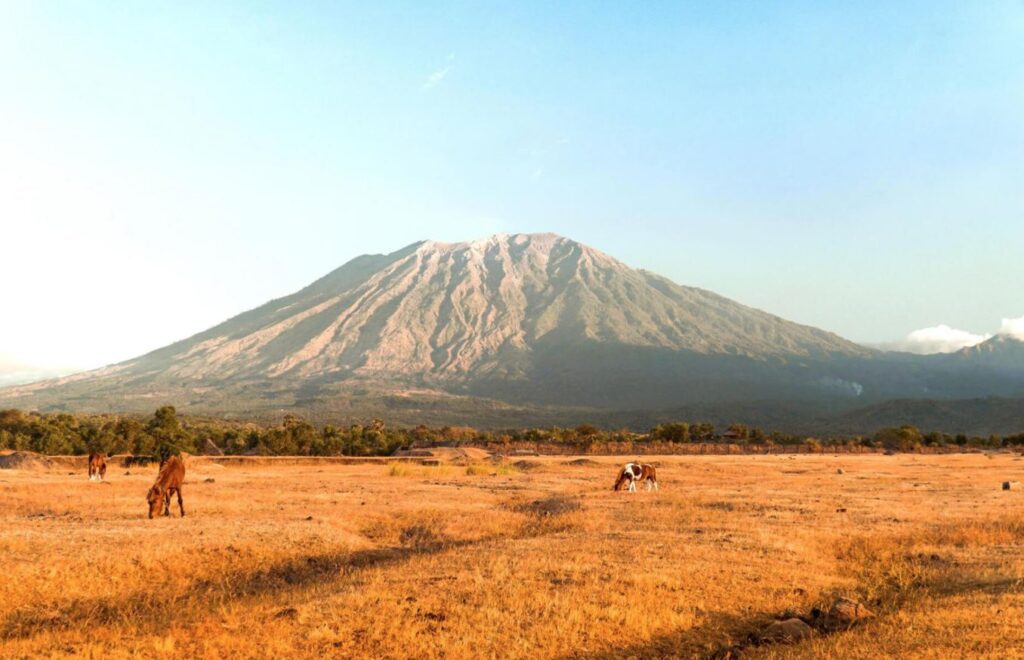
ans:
(166, 165)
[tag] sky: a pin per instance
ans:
(163, 166)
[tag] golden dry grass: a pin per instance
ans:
(474, 562)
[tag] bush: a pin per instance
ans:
(904, 438)
(677, 432)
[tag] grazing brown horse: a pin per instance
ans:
(634, 472)
(168, 482)
(97, 467)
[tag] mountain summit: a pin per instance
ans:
(452, 311)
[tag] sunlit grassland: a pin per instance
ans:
(485, 560)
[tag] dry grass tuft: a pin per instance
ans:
(556, 505)
(492, 470)
(420, 537)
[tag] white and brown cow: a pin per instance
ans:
(634, 472)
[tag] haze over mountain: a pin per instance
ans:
(512, 324)
(13, 372)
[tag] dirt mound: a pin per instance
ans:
(526, 466)
(582, 462)
(24, 460)
(448, 453)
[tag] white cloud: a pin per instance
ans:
(1013, 328)
(435, 78)
(944, 339)
(937, 339)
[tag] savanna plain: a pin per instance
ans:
(533, 558)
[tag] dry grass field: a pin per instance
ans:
(541, 560)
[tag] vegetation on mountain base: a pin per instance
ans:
(167, 433)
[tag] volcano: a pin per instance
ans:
(521, 322)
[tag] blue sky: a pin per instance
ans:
(858, 166)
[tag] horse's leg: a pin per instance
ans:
(167, 503)
(180, 504)
(632, 485)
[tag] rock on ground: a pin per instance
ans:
(786, 632)
(846, 612)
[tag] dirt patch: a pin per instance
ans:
(526, 466)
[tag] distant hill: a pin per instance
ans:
(509, 329)
(980, 417)
(1002, 352)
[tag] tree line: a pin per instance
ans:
(902, 438)
(168, 433)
